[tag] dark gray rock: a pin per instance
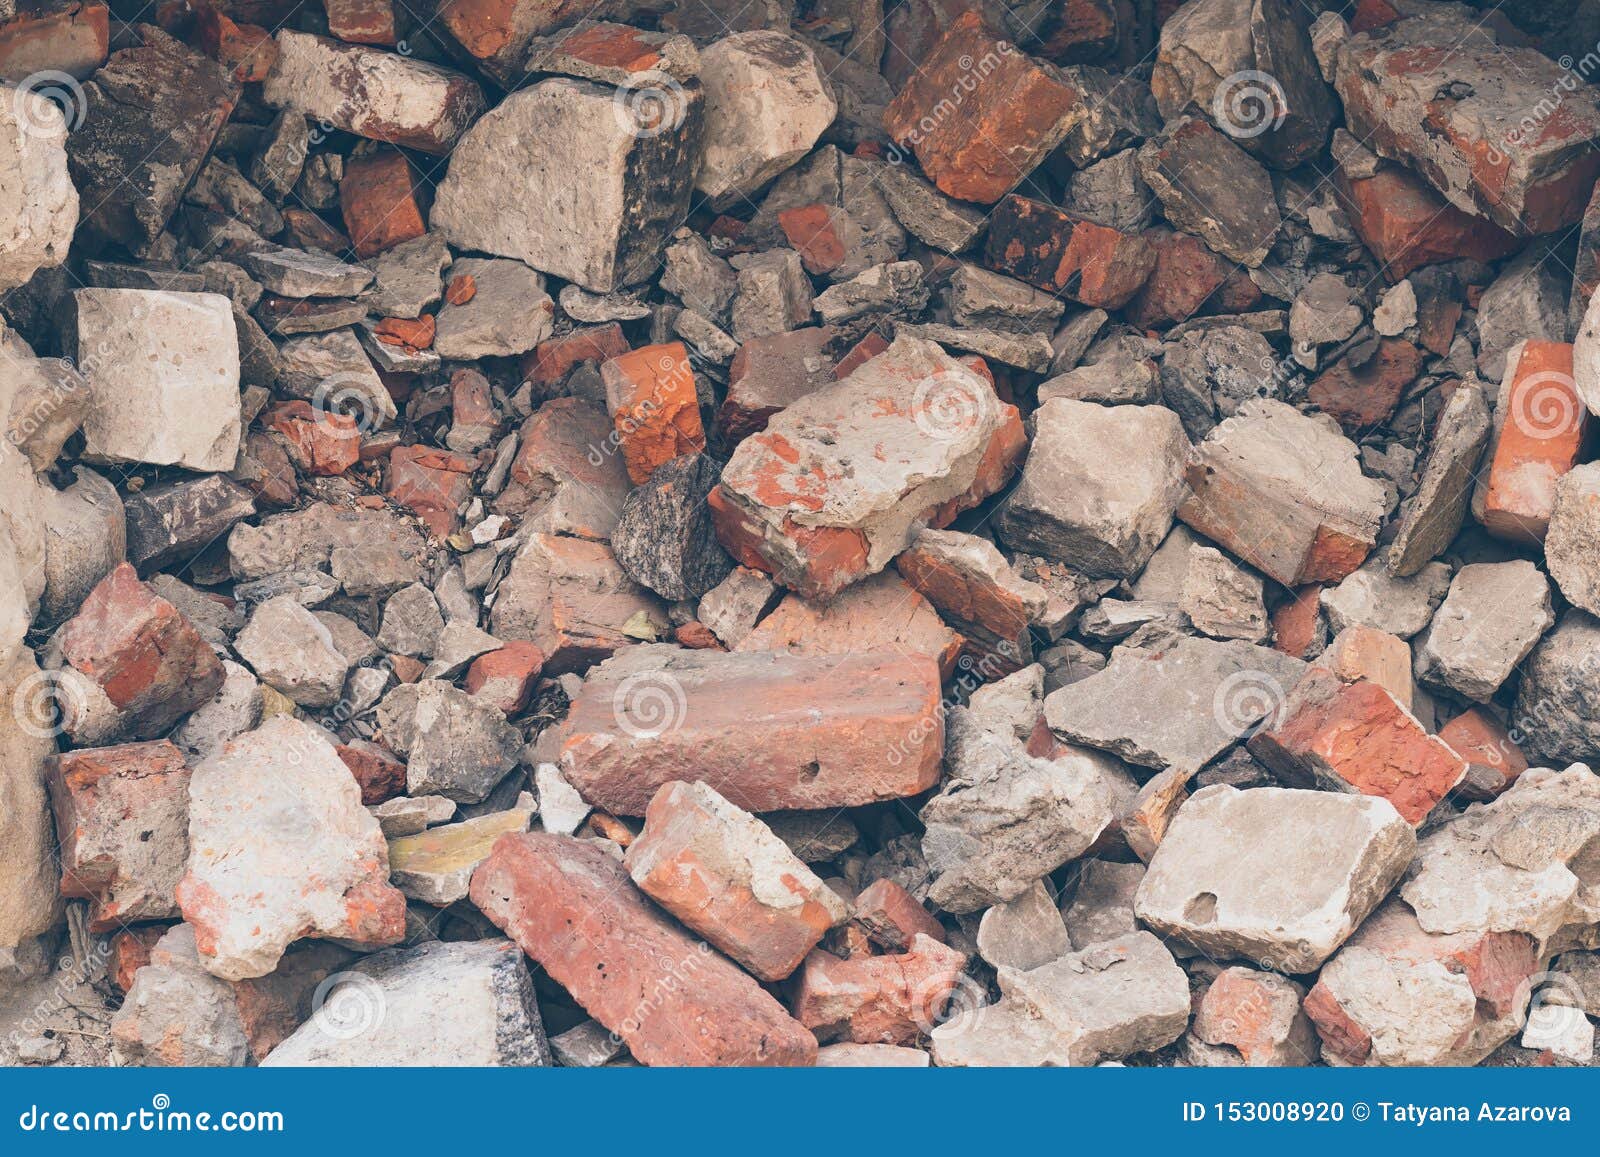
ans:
(665, 539)
(174, 521)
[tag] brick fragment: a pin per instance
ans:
(1017, 110)
(651, 395)
(1540, 427)
(1359, 652)
(1407, 225)
(378, 199)
(877, 999)
(362, 21)
(1059, 252)
(1494, 760)
(379, 771)
(247, 51)
(892, 918)
(567, 475)
(142, 652)
(674, 1001)
(769, 731)
(322, 442)
(71, 36)
(122, 816)
(1364, 396)
(1357, 737)
(506, 677)
(769, 373)
(431, 483)
(724, 873)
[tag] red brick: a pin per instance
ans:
(145, 655)
(770, 373)
(814, 233)
(892, 918)
(245, 50)
(378, 197)
(412, 333)
(1061, 253)
(1407, 225)
(122, 818)
(1357, 737)
(723, 873)
(1077, 31)
(130, 951)
(432, 484)
(651, 395)
(321, 442)
(882, 613)
(1363, 397)
(549, 363)
(1185, 276)
(1295, 628)
(1008, 446)
(697, 637)
(54, 36)
(607, 45)
(506, 677)
(768, 731)
(1014, 114)
(1258, 1014)
(361, 21)
(471, 403)
(1483, 742)
(673, 1001)
(1541, 431)
(567, 465)
(864, 350)
(462, 288)
(877, 999)
(380, 772)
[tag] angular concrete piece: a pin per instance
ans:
(437, 1004)
(163, 372)
(1495, 613)
(768, 731)
(1100, 486)
(1284, 493)
(1278, 876)
(281, 848)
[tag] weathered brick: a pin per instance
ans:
(892, 918)
(1407, 225)
(1017, 110)
(143, 653)
(1357, 737)
(724, 873)
(432, 483)
(549, 363)
(122, 816)
(769, 731)
(650, 393)
(378, 199)
(380, 772)
(769, 373)
(572, 907)
(1493, 758)
(362, 21)
(71, 36)
(1540, 428)
(506, 677)
(319, 441)
(1364, 396)
(1057, 251)
(877, 999)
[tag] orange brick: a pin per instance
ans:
(378, 198)
(1540, 438)
(654, 406)
(1295, 624)
(506, 677)
(813, 233)
(877, 999)
(320, 442)
(891, 917)
(54, 36)
(1407, 225)
(549, 362)
(432, 483)
(1061, 253)
(245, 50)
(1357, 737)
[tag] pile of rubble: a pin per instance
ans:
(853, 532)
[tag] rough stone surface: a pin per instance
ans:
(1278, 876)
(280, 848)
(455, 744)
